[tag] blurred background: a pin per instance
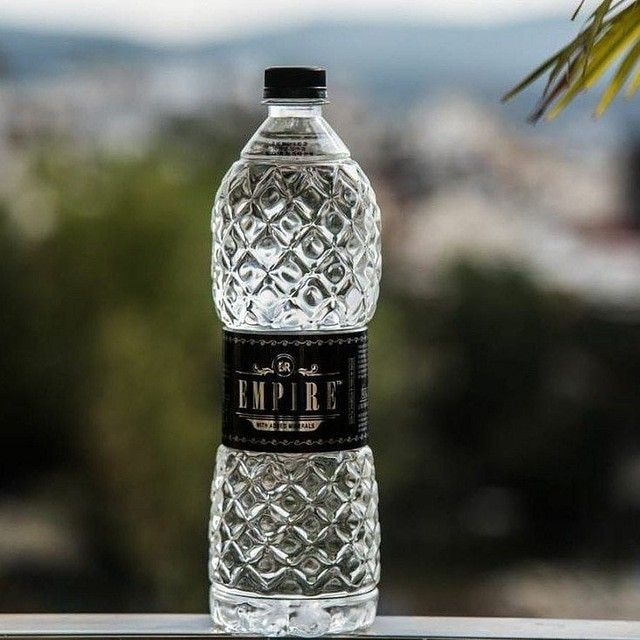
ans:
(505, 355)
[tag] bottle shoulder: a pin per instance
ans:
(309, 138)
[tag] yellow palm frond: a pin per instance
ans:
(611, 33)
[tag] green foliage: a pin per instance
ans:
(115, 306)
(611, 33)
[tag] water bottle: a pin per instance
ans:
(296, 262)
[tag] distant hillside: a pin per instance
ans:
(379, 55)
(398, 62)
(401, 59)
(25, 53)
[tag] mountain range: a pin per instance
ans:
(398, 62)
(394, 58)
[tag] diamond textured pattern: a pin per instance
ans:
(295, 246)
(292, 525)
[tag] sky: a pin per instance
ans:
(192, 20)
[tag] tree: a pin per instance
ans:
(611, 34)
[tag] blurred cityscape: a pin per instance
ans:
(505, 352)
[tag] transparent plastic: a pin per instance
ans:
(294, 538)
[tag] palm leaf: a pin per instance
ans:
(557, 61)
(611, 32)
(633, 86)
(604, 52)
(620, 77)
(577, 11)
(595, 28)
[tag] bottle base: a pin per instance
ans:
(238, 612)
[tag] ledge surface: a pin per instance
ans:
(199, 626)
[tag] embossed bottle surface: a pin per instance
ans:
(294, 534)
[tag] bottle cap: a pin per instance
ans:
(295, 83)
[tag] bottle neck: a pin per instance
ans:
(296, 130)
(289, 110)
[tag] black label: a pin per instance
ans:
(295, 392)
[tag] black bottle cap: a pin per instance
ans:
(295, 83)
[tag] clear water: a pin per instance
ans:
(294, 538)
